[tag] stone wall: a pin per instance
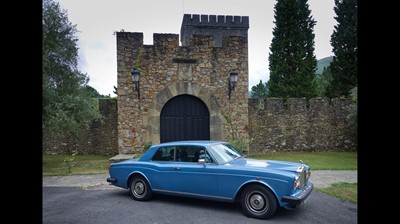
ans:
(292, 126)
(99, 139)
(273, 125)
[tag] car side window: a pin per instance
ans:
(188, 153)
(204, 155)
(201, 153)
(171, 151)
(164, 154)
(182, 154)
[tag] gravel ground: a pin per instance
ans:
(320, 179)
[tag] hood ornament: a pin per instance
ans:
(301, 161)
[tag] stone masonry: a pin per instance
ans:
(274, 126)
(292, 126)
(200, 68)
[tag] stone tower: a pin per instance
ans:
(176, 82)
(216, 26)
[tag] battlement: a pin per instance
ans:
(299, 105)
(219, 26)
(215, 20)
(166, 39)
(134, 38)
(159, 39)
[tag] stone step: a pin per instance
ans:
(122, 157)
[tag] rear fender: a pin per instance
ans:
(131, 175)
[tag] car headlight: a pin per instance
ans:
(296, 181)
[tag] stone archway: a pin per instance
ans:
(184, 117)
(179, 88)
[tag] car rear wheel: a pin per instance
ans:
(140, 189)
(258, 202)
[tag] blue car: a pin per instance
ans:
(214, 170)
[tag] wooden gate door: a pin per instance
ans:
(184, 117)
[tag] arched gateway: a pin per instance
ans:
(184, 117)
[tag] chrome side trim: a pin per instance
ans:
(192, 194)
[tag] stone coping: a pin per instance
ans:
(122, 157)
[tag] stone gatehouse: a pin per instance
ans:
(184, 90)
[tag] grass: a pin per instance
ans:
(317, 160)
(54, 165)
(324, 161)
(344, 191)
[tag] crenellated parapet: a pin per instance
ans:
(165, 50)
(133, 38)
(216, 21)
(219, 26)
(299, 105)
(166, 40)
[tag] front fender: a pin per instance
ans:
(277, 187)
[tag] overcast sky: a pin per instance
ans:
(97, 20)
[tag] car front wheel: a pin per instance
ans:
(258, 202)
(140, 189)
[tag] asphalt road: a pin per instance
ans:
(115, 205)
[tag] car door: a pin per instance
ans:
(162, 164)
(190, 177)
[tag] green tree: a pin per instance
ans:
(344, 44)
(67, 107)
(352, 117)
(292, 62)
(92, 92)
(322, 81)
(259, 91)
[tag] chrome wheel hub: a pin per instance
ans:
(257, 202)
(139, 188)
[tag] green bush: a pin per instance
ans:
(70, 161)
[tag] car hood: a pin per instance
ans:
(270, 164)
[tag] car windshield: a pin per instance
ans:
(224, 153)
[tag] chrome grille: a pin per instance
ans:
(301, 170)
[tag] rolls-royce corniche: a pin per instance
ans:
(214, 170)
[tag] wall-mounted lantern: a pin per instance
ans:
(135, 77)
(232, 82)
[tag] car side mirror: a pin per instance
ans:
(202, 161)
